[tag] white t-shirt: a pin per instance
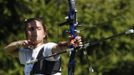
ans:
(27, 54)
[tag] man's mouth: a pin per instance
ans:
(33, 37)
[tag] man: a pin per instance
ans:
(35, 46)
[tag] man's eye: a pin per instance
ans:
(38, 28)
(30, 29)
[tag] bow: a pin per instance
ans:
(72, 21)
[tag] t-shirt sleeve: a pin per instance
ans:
(24, 55)
(48, 51)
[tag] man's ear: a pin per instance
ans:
(44, 36)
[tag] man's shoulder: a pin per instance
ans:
(50, 43)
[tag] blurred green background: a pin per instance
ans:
(99, 19)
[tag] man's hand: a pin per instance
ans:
(76, 42)
(28, 44)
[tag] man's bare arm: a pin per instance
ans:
(13, 48)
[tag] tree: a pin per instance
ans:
(99, 19)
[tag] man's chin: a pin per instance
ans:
(33, 40)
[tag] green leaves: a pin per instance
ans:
(99, 19)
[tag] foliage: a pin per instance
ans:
(99, 19)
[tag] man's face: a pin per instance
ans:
(35, 32)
